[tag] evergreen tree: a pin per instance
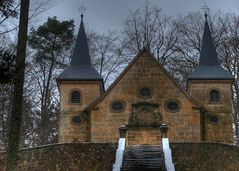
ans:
(51, 43)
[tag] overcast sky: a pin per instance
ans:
(104, 15)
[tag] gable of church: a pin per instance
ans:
(144, 68)
(146, 96)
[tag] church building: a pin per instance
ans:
(143, 97)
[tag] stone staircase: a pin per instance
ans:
(143, 158)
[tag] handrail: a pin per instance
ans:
(167, 155)
(120, 150)
(119, 155)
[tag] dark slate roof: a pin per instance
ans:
(81, 52)
(208, 54)
(77, 73)
(80, 67)
(210, 72)
(209, 67)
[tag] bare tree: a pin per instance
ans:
(228, 50)
(106, 51)
(144, 28)
(149, 28)
(187, 48)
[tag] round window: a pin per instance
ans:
(172, 106)
(145, 92)
(117, 106)
(76, 119)
(213, 119)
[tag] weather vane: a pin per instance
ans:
(205, 9)
(82, 8)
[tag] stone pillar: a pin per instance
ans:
(164, 130)
(123, 131)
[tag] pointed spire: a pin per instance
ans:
(80, 67)
(209, 67)
(81, 52)
(208, 55)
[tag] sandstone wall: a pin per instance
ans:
(222, 130)
(69, 131)
(144, 135)
(184, 125)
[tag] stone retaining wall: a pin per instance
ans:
(202, 156)
(67, 157)
(205, 156)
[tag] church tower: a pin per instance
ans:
(211, 85)
(79, 85)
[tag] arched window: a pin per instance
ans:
(75, 97)
(214, 96)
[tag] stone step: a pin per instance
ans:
(142, 158)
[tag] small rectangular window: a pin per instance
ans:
(75, 97)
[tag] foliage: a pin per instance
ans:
(7, 8)
(51, 39)
(7, 59)
(51, 43)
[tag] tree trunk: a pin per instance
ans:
(16, 115)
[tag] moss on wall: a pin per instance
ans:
(205, 156)
(202, 156)
(67, 157)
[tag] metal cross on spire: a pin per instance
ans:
(82, 9)
(205, 9)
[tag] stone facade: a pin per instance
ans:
(144, 135)
(145, 71)
(102, 122)
(68, 130)
(200, 90)
(144, 97)
(143, 115)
